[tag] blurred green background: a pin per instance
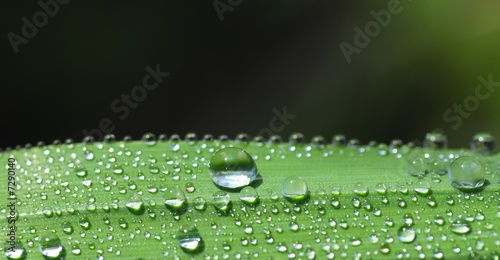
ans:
(227, 76)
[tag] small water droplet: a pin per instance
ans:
(232, 168)
(17, 252)
(174, 199)
(190, 240)
(435, 140)
(148, 139)
(199, 203)
(360, 189)
(189, 187)
(483, 143)
(339, 140)
(381, 189)
(249, 195)
(294, 188)
(135, 205)
(460, 227)
(406, 234)
(422, 187)
(51, 247)
(221, 200)
(466, 173)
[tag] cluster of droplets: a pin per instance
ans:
(137, 181)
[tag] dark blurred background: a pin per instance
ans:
(227, 76)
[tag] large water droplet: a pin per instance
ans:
(249, 195)
(483, 143)
(294, 188)
(466, 173)
(406, 234)
(51, 247)
(232, 168)
(422, 187)
(190, 240)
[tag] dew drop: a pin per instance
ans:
(148, 139)
(483, 143)
(381, 189)
(80, 170)
(221, 200)
(232, 168)
(174, 199)
(360, 189)
(294, 188)
(466, 173)
(435, 140)
(406, 234)
(18, 252)
(51, 247)
(199, 203)
(190, 240)
(249, 195)
(422, 187)
(460, 227)
(135, 205)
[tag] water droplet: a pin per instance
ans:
(67, 228)
(422, 187)
(360, 189)
(483, 143)
(199, 203)
(148, 139)
(232, 168)
(460, 227)
(51, 247)
(381, 189)
(249, 195)
(18, 252)
(339, 140)
(190, 240)
(296, 138)
(174, 199)
(406, 234)
(85, 223)
(466, 173)
(117, 169)
(189, 187)
(415, 166)
(135, 205)
(435, 140)
(221, 200)
(80, 170)
(294, 188)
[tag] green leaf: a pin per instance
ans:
(106, 200)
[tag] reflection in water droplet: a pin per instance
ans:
(199, 203)
(232, 168)
(294, 188)
(466, 173)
